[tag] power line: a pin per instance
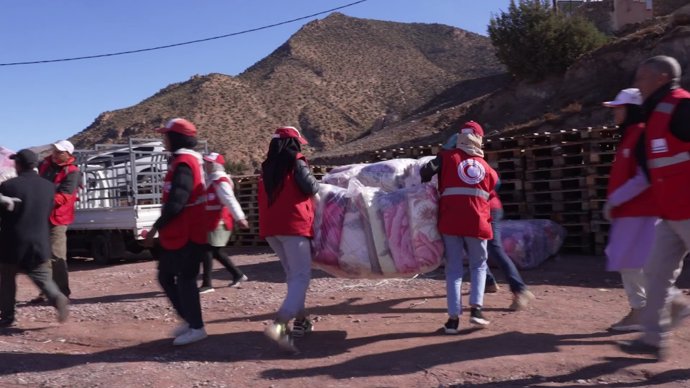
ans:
(182, 43)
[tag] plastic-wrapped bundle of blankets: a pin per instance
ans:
(380, 222)
(7, 170)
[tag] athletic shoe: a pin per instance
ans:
(491, 288)
(206, 290)
(190, 336)
(236, 282)
(277, 332)
(630, 322)
(180, 329)
(477, 318)
(300, 327)
(451, 326)
(521, 300)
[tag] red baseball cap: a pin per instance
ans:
(472, 127)
(284, 132)
(181, 126)
(215, 157)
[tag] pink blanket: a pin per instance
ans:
(529, 242)
(328, 224)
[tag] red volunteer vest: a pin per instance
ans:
(668, 159)
(624, 168)
(215, 210)
(465, 185)
(292, 213)
(190, 223)
(63, 209)
(494, 201)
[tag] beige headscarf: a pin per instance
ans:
(471, 144)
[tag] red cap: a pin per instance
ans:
(215, 157)
(181, 126)
(284, 132)
(472, 127)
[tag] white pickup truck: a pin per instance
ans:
(119, 198)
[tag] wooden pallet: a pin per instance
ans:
(602, 133)
(501, 143)
(557, 196)
(547, 162)
(558, 207)
(551, 138)
(512, 164)
(580, 219)
(557, 173)
(498, 155)
(601, 157)
(570, 183)
(514, 210)
(563, 149)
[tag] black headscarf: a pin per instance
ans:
(282, 154)
(178, 140)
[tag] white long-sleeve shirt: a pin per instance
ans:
(226, 195)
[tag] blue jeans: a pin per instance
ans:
(496, 252)
(455, 252)
(294, 253)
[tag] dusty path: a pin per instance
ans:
(369, 333)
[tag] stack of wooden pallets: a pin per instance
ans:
(603, 142)
(555, 183)
(506, 156)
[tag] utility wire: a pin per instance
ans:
(183, 43)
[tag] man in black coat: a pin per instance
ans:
(25, 237)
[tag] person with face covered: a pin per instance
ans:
(465, 184)
(286, 217)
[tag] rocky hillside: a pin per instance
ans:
(338, 79)
(571, 101)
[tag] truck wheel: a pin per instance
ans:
(100, 249)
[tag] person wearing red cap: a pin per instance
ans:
(182, 229)
(465, 183)
(286, 216)
(222, 212)
(60, 169)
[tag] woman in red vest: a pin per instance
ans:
(182, 229)
(223, 211)
(630, 206)
(286, 215)
(465, 183)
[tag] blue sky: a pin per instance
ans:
(45, 102)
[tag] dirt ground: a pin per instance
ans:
(369, 333)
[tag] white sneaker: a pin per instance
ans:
(180, 329)
(190, 336)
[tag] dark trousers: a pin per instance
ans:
(496, 252)
(40, 275)
(58, 262)
(177, 273)
(215, 252)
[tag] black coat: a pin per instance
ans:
(25, 232)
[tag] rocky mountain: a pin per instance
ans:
(355, 85)
(337, 79)
(570, 101)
